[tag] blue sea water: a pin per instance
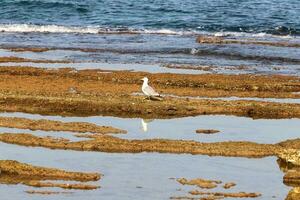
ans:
(255, 16)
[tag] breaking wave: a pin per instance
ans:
(28, 28)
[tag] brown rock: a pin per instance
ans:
(294, 194)
(229, 185)
(292, 178)
(290, 156)
(207, 131)
(14, 168)
(45, 192)
(78, 186)
(202, 183)
(226, 195)
(49, 125)
(105, 143)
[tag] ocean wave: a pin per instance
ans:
(28, 28)
(247, 35)
(52, 3)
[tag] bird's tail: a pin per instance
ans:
(156, 98)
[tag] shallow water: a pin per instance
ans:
(56, 134)
(155, 50)
(123, 173)
(217, 66)
(231, 128)
(147, 175)
(106, 66)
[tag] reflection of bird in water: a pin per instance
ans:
(145, 124)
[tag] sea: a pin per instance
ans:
(157, 33)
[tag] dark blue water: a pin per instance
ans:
(255, 16)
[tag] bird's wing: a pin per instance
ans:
(151, 91)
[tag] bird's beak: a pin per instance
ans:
(142, 79)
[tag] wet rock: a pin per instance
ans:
(294, 194)
(229, 185)
(105, 143)
(14, 172)
(227, 195)
(292, 178)
(207, 131)
(42, 91)
(286, 166)
(209, 39)
(149, 111)
(290, 156)
(46, 192)
(291, 144)
(222, 40)
(50, 125)
(78, 186)
(14, 168)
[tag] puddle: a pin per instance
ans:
(130, 176)
(56, 134)
(48, 55)
(231, 128)
(106, 66)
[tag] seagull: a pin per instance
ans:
(148, 90)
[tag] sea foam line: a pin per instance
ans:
(28, 28)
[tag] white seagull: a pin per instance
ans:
(148, 90)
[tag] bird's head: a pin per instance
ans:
(145, 79)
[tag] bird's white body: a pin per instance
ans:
(148, 90)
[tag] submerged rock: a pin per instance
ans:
(202, 183)
(229, 185)
(209, 39)
(207, 131)
(227, 195)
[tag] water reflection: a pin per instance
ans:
(284, 166)
(269, 131)
(145, 123)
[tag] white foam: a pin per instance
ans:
(27, 28)
(247, 35)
